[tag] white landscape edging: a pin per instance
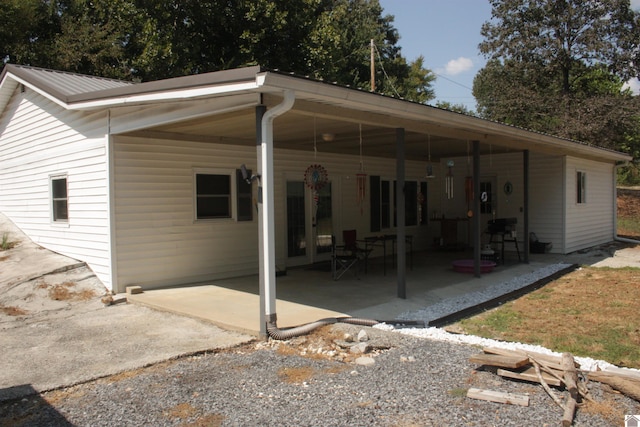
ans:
(455, 304)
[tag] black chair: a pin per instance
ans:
(342, 260)
(503, 229)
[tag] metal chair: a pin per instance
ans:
(348, 255)
(342, 259)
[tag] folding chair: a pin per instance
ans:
(342, 259)
(348, 255)
(351, 244)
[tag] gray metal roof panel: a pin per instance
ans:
(61, 84)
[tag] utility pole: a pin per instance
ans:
(373, 68)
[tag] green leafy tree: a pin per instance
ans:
(559, 67)
(155, 39)
(28, 26)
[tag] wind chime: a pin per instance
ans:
(429, 164)
(468, 186)
(448, 180)
(361, 180)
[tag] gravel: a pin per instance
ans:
(455, 304)
(409, 377)
(413, 381)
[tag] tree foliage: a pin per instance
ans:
(558, 66)
(154, 39)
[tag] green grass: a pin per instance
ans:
(591, 312)
(5, 244)
(629, 227)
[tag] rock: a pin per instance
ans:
(344, 344)
(362, 336)
(360, 348)
(348, 337)
(365, 361)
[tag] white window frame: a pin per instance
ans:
(232, 196)
(52, 200)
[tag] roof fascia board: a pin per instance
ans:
(350, 98)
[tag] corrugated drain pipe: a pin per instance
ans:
(288, 333)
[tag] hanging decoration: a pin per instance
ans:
(361, 180)
(468, 186)
(429, 164)
(448, 180)
(316, 177)
(421, 200)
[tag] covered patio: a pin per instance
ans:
(224, 175)
(307, 294)
(462, 170)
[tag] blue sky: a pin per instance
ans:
(446, 33)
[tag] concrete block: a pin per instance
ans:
(132, 290)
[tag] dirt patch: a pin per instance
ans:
(629, 202)
(13, 311)
(66, 292)
(296, 375)
(185, 411)
(629, 213)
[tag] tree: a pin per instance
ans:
(155, 39)
(28, 26)
(558, 66)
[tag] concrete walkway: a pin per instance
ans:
(56, 331)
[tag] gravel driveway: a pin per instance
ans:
(208, 378)
(303, 382)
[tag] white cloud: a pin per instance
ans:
(634, 84)
(460, 65)
(635, 4)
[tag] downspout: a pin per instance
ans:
(268, 270)
(615, 208)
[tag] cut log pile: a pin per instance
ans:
(550, 371)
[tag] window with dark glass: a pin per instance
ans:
(581, 187)
(213, 196)
(59, 199)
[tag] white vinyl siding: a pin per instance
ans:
(546, 199)
(589, 223)
(39, 140)
(158, 241)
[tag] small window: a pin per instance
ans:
(59, 199)
(581, 179)
(213, 196)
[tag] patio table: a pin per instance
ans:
(381, 241)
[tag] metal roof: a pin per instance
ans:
(63, 84)
(340, 109)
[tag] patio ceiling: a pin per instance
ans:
(354, 116)
(332, 130)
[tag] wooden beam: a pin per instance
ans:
(498, 396)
